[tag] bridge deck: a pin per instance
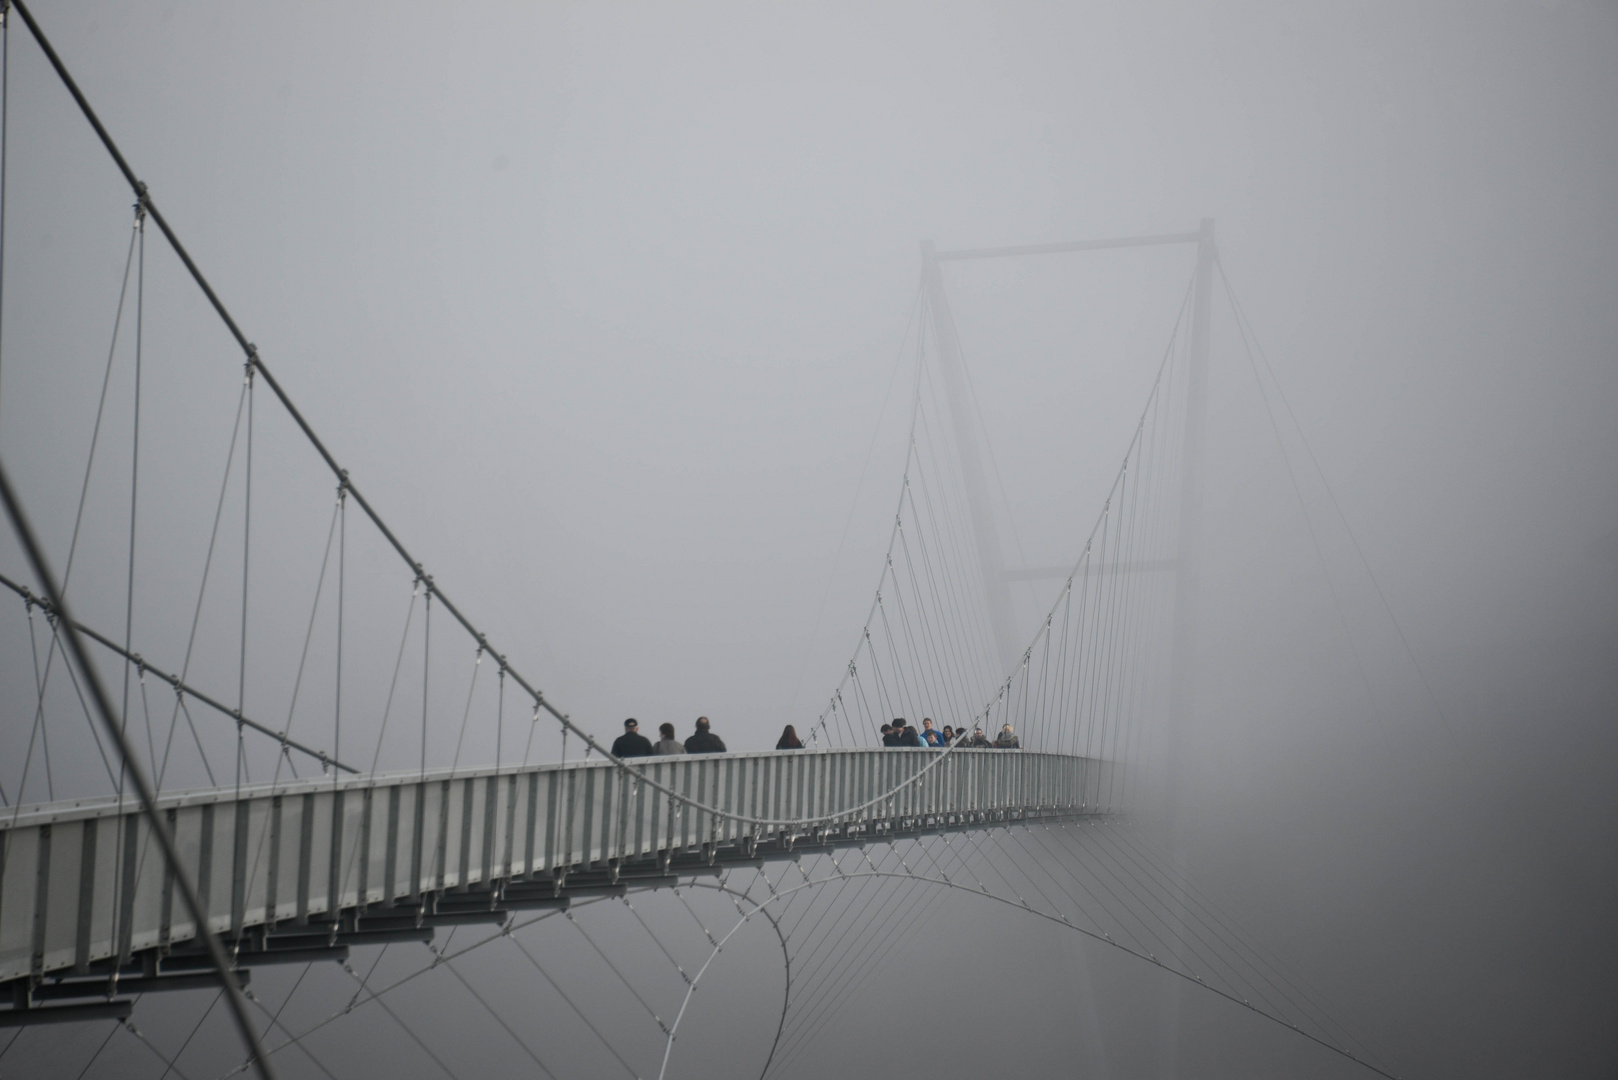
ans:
(83, 888)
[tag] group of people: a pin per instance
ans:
(703, 741)
(900, 733)
(633, 744)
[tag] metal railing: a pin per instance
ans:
(81, 881)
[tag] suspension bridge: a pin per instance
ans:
(247, 769)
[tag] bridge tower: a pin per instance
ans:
(1183, 672)
(987, 538)
(1188, 542)
(996, 578)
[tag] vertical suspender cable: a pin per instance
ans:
(129, 584)
(247, 533)
(134, 468)
(426, 663)
(342, 556)
(103, 707)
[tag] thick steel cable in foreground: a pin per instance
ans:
(143, 785)
(175, 681)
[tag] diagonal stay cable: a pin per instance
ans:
(275, 1022)
(97, 1055)
(820, 1005)
(656, 940)
(38, 726)
(470, 989)
(1198, 900)
(377, 995)
(129, 1026)
(1279, 1021)
(533, 960)
(202, 592)
(78, 515)
(1192, 910)
(408, 1030)
(39, 689)
(178, 1054)
(845, 967)
(1246, 326)
(614, 968)
(84, 707)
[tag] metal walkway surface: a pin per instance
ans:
(288, 870)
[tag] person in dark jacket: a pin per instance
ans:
(789, 740)
(910, 738)
(631, 743)
(1007, 740)
(703, 741)
(894, 735)
(977, 741)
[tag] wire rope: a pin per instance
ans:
(129, 1026)
(1059, 921)
(518, 1039)
(554, 985)
(84, 492)
(202, 590)
(111, 1031)
(1245, 325)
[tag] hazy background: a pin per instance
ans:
(602, 307)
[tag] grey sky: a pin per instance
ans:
(601, 307)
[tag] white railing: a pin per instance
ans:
(82, 880)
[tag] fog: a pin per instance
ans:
(605, 310)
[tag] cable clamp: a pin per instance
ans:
(251, 367)
(342, 484)
(143, 199)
